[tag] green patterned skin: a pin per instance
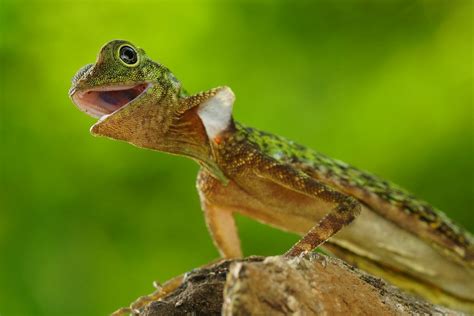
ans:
(346, 176)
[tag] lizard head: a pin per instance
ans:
(133, 97)
(140, 101)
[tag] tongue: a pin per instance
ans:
(117, 99)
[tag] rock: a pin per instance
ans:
(313, 284)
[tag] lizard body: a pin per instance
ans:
(365, 220)
(385, 197)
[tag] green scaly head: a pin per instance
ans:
(140, 101)
(134, 97)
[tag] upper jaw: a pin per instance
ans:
(106, 100)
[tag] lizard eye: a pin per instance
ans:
(128, 55)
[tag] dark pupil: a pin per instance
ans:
(128, 55)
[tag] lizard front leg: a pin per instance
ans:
(219, 220)
(345, 210)
(222, 228)
(221, 225)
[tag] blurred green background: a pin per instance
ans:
(86, 224)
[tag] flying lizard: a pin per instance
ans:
(350, 213)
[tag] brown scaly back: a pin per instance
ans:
(384, 197)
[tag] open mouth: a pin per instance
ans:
(107, 100)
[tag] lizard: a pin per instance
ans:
(355, 215)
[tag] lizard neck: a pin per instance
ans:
(189, 138)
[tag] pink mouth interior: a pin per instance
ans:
(98, 103)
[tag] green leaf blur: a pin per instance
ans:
(86, 224)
